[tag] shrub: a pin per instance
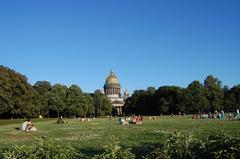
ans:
(17, 152)
(115, 151)
(178, 145)
(218, 146)
(182, 145)
(42, 148)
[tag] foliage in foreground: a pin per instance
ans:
(182, 145)
(51, 149)
(42, 148)
(115, 151)
(218, 146)
(179, 145)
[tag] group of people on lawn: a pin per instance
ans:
(219, 115)
(28, 126)
(131, 120)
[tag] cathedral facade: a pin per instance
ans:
(112, 90)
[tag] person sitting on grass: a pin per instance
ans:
(28, 126)
(134, 119)
(85, 119)
(139, 119)
(60, 120)
(194, 116)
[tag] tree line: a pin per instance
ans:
(20, 99)
(196, 98)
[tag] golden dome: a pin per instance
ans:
(112, 79)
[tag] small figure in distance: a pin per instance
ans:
(82, 119)
(60, 120)
(110, 117)
(238, 114)
(134, 119)
(152, 118)
(230, 116)
(222, 115)
(127, 119)
(122, 121)
(139, 119)
(85, 119)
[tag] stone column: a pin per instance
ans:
(118, 110)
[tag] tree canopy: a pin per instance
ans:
(19, 99)
(17, 96)
(197, 97)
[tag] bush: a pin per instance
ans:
(115, 151)
(42, 148)
(178, 145)
(219, 146)
(182, 145)
(17, 152)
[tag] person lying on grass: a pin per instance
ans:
(122, 121)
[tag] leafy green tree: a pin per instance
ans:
(169, 99)
(135, 104)
(197, 96)
(151, 90)
(101, 103)
(232, 98)
(155, 102)
(90, 105)
(76, 101)
(58, 96)
(183, 101)
(148, 102)
(43, 88)
(214, 93)
(130, 103)
(17, 97)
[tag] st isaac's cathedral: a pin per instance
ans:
(112, 90)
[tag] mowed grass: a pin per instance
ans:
(90, 137)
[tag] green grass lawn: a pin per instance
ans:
(90, 137)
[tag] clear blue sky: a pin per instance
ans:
(145, 42)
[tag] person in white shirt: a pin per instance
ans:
(27, 125)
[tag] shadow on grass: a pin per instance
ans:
(88, 152)
(144, 150)
(139, 151)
